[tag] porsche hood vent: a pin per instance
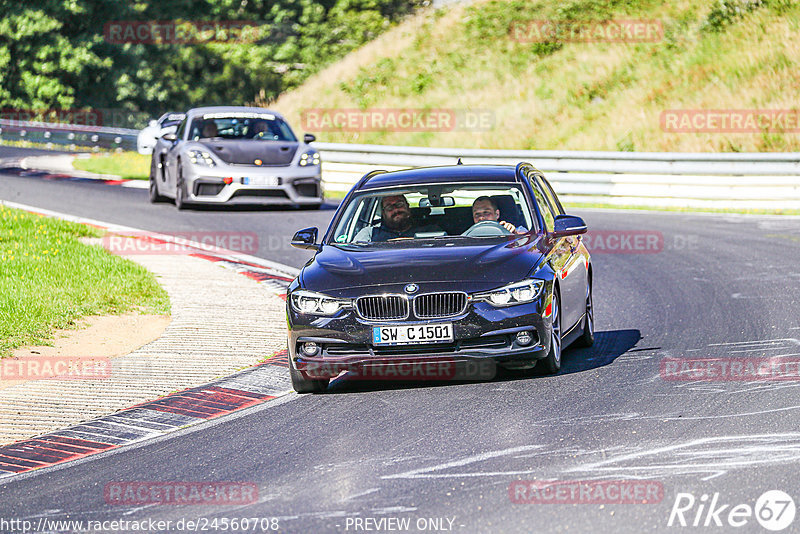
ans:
(269, 153)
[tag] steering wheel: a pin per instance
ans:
(486, 229)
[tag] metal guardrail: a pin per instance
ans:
(70, 135)
(740, 180)
(734, 164)
(719, 180)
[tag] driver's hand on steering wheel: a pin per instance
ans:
(508, 226)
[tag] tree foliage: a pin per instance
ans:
(54, 53)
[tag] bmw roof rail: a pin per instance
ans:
(369, 175)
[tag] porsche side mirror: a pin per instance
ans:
(167, 130)
(568, 225)
(309, 138)
(169, 137)
(306, 238)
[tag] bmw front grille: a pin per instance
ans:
(436, 305)
(426, 306)
(382, 307)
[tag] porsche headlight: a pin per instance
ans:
(511, 294)
(316, 303)
(199, 157)
(309, 158)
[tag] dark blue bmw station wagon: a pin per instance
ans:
(423, 270)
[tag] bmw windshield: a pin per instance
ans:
(440, 212)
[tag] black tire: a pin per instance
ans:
(587, 338)
(552, 363)
(306, 385)
(180, 190)
(155, 196)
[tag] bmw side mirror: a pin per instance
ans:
(568, 225)
(169, 137)
(306, 238)
(309, 138)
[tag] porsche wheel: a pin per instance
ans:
(180, 190)
(155, 196)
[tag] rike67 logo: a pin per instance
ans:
(774, 510)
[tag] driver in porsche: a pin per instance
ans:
(485, 209)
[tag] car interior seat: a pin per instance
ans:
(456, 220)
(509, 210)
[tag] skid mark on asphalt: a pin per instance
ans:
(435, 470)
(710, 456)
(593, 419)
(762, 351)
(361, 494)
(705, 457)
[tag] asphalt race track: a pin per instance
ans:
(444, 455)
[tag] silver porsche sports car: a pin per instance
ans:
(235, 155)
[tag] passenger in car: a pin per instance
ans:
(396, 221)
(485, 209)
(209, 130)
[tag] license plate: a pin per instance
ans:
(260, 180)
(408, 334)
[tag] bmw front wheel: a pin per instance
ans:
(301, 384)
(552, 363)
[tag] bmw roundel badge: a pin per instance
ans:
(411, 288)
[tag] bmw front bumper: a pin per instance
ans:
(482, 333)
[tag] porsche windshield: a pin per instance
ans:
(240, 126)
(434, 212)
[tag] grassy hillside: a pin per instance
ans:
(572, 95)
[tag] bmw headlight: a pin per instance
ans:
(511, 294)
(316, 303)
(200, 157)
(309, 158)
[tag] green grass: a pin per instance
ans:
(49, 279)
(127, 165)
(562, 95)
(54, 146)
